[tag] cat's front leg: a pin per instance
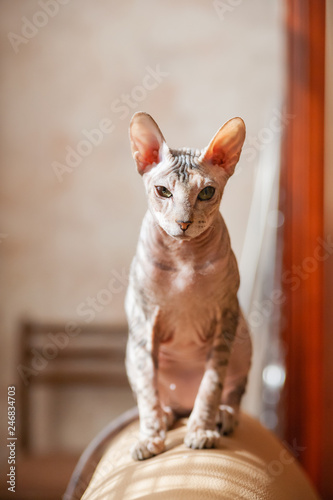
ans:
(202, 431)
(141, 364)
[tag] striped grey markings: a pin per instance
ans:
(235, 397)
(183, 160)
(230, 318)
(222, 348)
(224, 341)
(219, 354)
(143, 377)
(163, 266)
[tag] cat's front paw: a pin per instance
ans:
(227, 419)
(202, 438)
(146, 448)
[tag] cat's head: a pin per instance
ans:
(184, 187)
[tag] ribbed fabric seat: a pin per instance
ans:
(251, 464)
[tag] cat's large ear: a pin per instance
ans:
(147, 141)
(225, 148)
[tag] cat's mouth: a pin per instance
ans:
(182, 236)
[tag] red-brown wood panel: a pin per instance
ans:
(302, 202)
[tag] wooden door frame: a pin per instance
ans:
(301, 199)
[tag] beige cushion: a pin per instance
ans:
(251, 464)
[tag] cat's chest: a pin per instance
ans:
(189, 290)
(185, 279)
(188, 306)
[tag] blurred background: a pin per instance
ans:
(73, 73)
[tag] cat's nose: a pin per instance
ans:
(184, 225)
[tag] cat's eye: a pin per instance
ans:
(163, 191)
(207, 193)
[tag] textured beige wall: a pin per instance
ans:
(61, 240)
